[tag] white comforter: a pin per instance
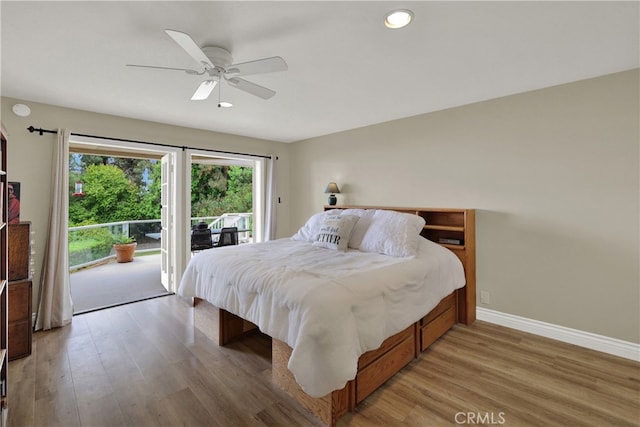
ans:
(328, 306)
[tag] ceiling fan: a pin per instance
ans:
(217, 63)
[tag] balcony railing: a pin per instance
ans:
(91, 244)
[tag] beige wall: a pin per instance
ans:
(29, 156)
(553, 174)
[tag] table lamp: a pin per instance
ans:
(333, 189)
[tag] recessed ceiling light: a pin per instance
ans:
(21, 110)
(225, 104)
(398, 18)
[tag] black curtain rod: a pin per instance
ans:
(157, 144)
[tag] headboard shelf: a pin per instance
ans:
(443, 227)
(454, 248)
(455, 229)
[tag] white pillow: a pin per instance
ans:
(335, 232)
(393, 233)
(309, 231)
(366, 215)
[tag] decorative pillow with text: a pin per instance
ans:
(309, 230)
(335, 232)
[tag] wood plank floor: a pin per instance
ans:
(146, 364)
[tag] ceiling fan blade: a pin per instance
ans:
(186, 42)
(251, 88)
(259, 66)
(165, 68)
(204, 90)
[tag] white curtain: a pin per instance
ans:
(55, 307)
(271, 200)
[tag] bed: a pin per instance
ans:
(348, 301)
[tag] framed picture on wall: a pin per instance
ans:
(13, 188)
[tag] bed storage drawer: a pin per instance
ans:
(377, 366)
(433, 330)
(446, 303)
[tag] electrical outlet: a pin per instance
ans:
(484, 297)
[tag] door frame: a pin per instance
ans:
(258, 188)
(109, 147)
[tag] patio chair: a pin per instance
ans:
(228, 237)
(201, 237)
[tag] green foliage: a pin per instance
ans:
(116, 189)
(150, 199)
(101, 233)
(109, 196)
(134, 169)
(220, 189)
(88, 245)
(241, 188)
(122, 239)
(130, 189)
(208, 182)
(86, 251)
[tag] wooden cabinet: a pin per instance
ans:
(19, 251)
(19, 323)
(4, 283)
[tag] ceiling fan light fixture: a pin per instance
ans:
(221, 103)
(204, 90)
(398, 18)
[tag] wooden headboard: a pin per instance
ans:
(455, 229)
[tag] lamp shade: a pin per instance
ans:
(332, 188)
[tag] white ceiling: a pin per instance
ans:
(346, 70)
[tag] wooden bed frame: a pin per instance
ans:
(452, 228)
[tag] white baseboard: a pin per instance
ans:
(613, 346)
